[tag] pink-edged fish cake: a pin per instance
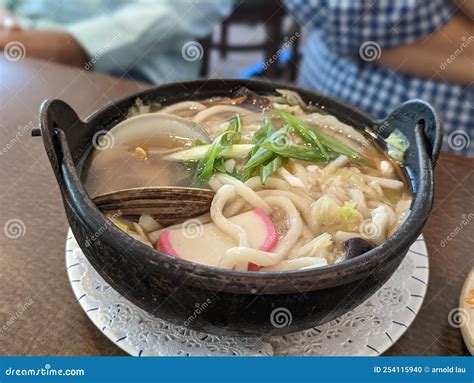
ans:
(207, 244)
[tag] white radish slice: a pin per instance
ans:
(207, 244)
(146, 126)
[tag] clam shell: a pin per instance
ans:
(166, 204)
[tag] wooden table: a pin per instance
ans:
(38, 312)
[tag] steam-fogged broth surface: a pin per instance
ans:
(295, 187)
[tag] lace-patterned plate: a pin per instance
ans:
(369, 329)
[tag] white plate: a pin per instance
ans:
(463, 316)
(369, 329)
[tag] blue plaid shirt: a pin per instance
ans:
(345, 36)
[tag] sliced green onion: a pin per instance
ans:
(235, 129)
(219, 165)
(264, 132)
(259, 136)
(298, 152)
(323, 142)
(196, 153)
(199, 143)
(270, 168)
(262, 156)
(206, 166)
(341, 148)
(303, 130)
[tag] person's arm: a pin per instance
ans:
(8, 22)
(121, 39)
(60, 47)
(447, 54)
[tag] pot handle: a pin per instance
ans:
(57, 115)
(411, 114)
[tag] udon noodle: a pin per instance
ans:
(299, 207)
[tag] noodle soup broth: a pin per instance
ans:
(295, 188)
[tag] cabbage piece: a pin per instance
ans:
(317, 247)
(320, 245)
(349, 211)
(148, 223)
(397, 144)
(141, 239)
(345, 177)
(294, 109)
(338, 182)
(123, 224)
(330, 217)
(139, 108)
(291, 97)
(140, 230)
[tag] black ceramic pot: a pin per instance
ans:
(226, 302)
